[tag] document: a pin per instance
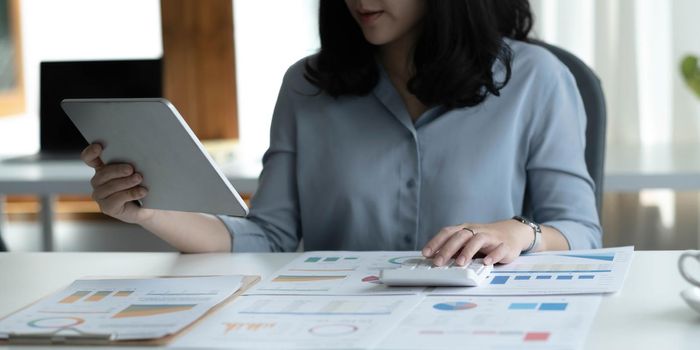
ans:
(300, 322)
(550, 273)
(479, 322)
(337, 273)
(127, 309)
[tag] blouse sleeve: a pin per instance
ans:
(272, 224)
(559, 187)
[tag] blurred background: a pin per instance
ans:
(221, 62)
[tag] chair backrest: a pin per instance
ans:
(594, 103)
(3, 248)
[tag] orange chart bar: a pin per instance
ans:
(151, 310)
(74, 297)
(300, 278)
(99, 295)
(123, 293)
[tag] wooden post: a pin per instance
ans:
(199, 65)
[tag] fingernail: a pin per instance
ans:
(438, 261)
(487, 261)
(427, 252)
(138, 177)
(461, 260)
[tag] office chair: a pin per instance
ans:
(3, 248)
(594, 103)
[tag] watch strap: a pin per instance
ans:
(536, 230)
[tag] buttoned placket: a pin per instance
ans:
(410, 179)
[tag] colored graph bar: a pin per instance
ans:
(249, 327)
(312, 259)
(586, 277)
(295, 278)
(550, 271)
(522, 278)
(523, 306)
(99, 295)
(331, 258)
(544, 277)
(74, 297)
(350, 258)
(123, 293)
(500, 280)
(604, 257)
(151, 310)
(536, 336)
(565, 277)
(553, 306)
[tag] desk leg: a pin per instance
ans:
(47, 210)
(3, 247)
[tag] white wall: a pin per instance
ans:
(270, 36)
(76, 30)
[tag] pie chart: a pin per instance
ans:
(372, 279)
(454, 306)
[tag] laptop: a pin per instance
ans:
(59, 138)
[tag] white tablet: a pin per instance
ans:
(151, 135)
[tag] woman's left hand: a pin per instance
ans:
(500, 241)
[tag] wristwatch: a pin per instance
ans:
(536, 229)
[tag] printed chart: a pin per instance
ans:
(301, 322)
(336, 273)
(496, 323)
(580, 272)
(130, 308)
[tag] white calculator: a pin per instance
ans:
(422, 272)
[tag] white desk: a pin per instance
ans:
(50, 178)
(646, 314)
(627, 169)
(633, 168)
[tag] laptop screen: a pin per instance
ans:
(89, 79)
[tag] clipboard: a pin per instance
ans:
(82, 338)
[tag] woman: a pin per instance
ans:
(420, 124)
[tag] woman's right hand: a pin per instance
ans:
(115, 187)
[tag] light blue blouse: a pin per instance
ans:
(355, 173)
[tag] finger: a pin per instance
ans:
(439, 240)
(510, 255)
(479, 241)
(91, 155)
(113, 186)
(114, 204)
(110, 172)
(452, 246)
(497, 254)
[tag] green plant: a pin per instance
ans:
(691, 73)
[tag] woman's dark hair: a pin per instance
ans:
(454, 56)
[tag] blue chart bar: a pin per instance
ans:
(553, 306)
(550, 271)
(586, 277)
(520, 278)
(523, 306)
(500, 280)
(544, 277)
(565, 277)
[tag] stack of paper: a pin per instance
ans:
(335, 300)
(122, 309)
(301, 322)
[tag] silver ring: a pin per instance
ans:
(470, 230)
